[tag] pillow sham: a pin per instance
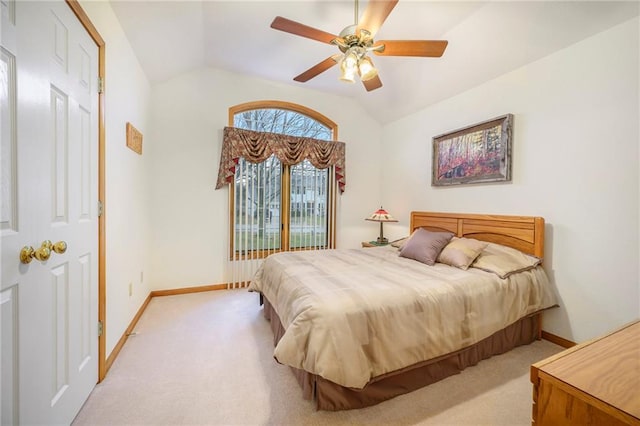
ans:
(504, 261)
(461, 252)
(399, 242)
(425, 246)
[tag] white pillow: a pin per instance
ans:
(504, 261)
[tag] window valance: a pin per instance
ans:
(256, 147)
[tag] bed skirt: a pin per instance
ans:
(332, 397)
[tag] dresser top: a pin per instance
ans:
(607, 368)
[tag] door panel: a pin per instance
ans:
(9, 355)
(8, 191)
(9, 224)
(59, 134)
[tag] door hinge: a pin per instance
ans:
(100, 85)
(100, 208)
(100, 328)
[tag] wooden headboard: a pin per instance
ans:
(525, 233)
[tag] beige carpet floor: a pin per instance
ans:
(207, 359)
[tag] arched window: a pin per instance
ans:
(276, 207)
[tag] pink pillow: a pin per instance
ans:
(425, 246)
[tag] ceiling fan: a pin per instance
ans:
(356, 41)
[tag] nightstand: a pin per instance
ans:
(373, 244)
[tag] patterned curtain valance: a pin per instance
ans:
(256, 147)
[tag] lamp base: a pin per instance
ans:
(381, 239)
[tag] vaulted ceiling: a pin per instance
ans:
(486, 40)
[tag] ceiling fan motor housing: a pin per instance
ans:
(351, 37)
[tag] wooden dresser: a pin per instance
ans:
(594, 383)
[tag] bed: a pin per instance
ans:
(360, 326)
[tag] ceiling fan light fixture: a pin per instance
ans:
(351, 58)
(349, 66)
(348, 71)
(366, 69)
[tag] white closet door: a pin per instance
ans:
(49, 130)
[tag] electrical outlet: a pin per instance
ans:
(130, 289)
(141, 277)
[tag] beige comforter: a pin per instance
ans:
(354, 314)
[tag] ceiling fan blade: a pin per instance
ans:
(375, 14)
(428, 48)
(372, 84)
(293, 27)
(316, 69)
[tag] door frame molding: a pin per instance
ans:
(102, 306)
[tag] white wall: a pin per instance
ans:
(127, 190)
(575, 162)
(189, 217)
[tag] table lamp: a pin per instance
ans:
(381, 215)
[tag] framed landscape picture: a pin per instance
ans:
(474, 154)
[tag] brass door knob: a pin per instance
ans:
(59, 247)
(28, 253)
(43, 253)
